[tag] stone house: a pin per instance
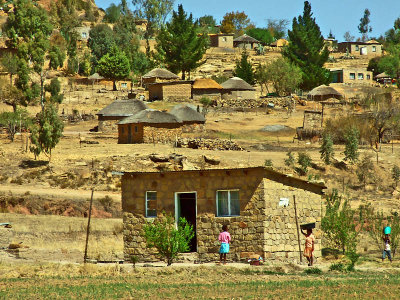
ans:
(372, 47)
(280, 43)
(191, 118)
(83, 32)
(245, 42)
(221, 40)
(206, 87)
(351, 75)
(110, 115)
(237, 88)
(259, 205)
(158, 75)
(149, 126)
(170, 90)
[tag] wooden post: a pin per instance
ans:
(88, 227)
(297, 227)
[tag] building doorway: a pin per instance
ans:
(186, 207)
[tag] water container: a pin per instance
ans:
(387, 230)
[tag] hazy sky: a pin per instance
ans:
(336, 15)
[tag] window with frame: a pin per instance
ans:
(368, 77)
(373, 48)
(151, 204)
(352, 75)
(84, 35)
(228, 203)
(124, 85)
(360, 76)
(357, 48)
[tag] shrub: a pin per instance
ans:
(304, 161)
(336, 267)
(268, 163)
(351, 147)
(353, 256)
(168, 240)
(396, 174)
(327, 149)
(107, 203)
(316, 271)
(365, 169)
(289, 161)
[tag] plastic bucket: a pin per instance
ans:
(387, 230)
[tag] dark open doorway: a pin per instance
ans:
(186, 208)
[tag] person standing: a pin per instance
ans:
(309, 246)
(387, 249)
(225, 239)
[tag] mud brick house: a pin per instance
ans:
(149, 126)
(371, 47)
(280, 43)
(245, 42)
(191, 118)
(237, 88)
(158, 75)
(206, 87)
(170, 91)
(110, 115)
(351, 75)
(221, 40)
(259, 205)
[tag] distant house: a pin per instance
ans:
(279, 43)
(149, 126)
(383, 78)
(323, 92)
(262, 207)
(170, 90)
(141, 24)
(158, 75)
(221, 40)
(206, 87)
(351, 75)
(237, 88)
(110, 115)
(83, 32)
(245, 42)
(361, 48)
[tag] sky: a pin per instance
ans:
(336, 15)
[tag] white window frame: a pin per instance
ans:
(373, 48)
(351, 76)
(146, 204)
(360, 76)
(229, 203)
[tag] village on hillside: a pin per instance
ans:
(138, 136)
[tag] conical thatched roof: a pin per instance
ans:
(324, 90)
(382, 75)
(160, 73)
(95, 76)
(237, 84)
(245, 39)
(187, 114)
(151, 116)
(206, 83)
(122, 108)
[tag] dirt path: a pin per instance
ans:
(69, 194)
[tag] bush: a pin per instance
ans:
(327, 149)
(396, 174)
(168, 240)
(304, 161)
(289, 161)
(316, 271)
(336, 267)
(353, 257)
(351, 148)
(268, 163)
(365, 169)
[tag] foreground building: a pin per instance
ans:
(259, 205)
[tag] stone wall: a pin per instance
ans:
(177, 91)
(312, 120)
(239, 95)
(161, 135)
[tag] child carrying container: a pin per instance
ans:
(386, 240)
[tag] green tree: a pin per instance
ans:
(114, 65)
(373, 66)
(156, 13)
(15, 121)
(390, 63)
(101, 40)
(261, 34)
(179, 46)
(235, 22)
(396, 174)
(54, 88)
(392, 36)
(326, 150)
(168, 240)
(278, 28)
(351, 144)
(339, 223)
(10, 95)
(208, 22)
(47, 132)
(113, 12)
(9, 61)
(364, 26)
(281, 74)
(348, 37)
(304, 160)
(365, 170)
(244, 69)
(307, 50)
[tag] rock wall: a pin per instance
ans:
(161, 135)
(208, 144)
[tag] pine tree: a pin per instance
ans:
(244, 69)
(307, 50)
(327, 149)
(179, 46)
(351, 147)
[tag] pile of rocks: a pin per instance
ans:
(254, 103)
(208, 144)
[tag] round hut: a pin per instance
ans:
(324, 92)
(206, 87)
(110, 115)
(237, 88)
(149, 126)
(158, 75)
(245, 41)
(191, 118)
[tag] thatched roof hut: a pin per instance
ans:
(152, 116)
(160, 74)
(279, 43)
(245, 41)
(206, 83)
(324, 92)
(122, 108)
(237, 84)
(187, 114)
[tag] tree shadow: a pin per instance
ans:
(28, 164)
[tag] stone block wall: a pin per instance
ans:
(177, 91)
(161, 135)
